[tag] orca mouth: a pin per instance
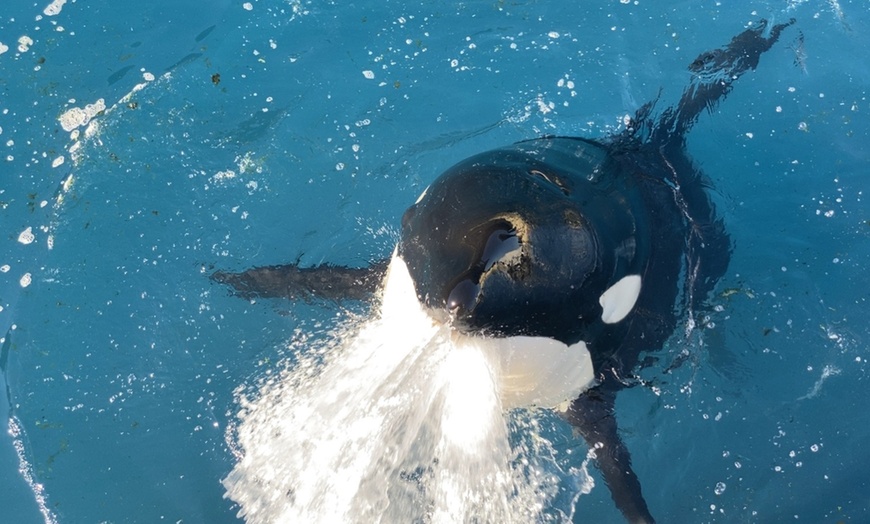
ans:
(500, 243)
(503, 246)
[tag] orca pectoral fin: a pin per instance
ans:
(592, 415)
(325, 282)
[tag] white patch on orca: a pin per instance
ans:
(619, 299)
(422, 196)
(535, 371)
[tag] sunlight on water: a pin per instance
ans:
(397, 424)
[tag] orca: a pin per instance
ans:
(580, 254)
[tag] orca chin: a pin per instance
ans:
(533, 371)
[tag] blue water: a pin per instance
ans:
(240, 135)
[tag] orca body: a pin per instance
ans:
(593, 244)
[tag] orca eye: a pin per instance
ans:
(553, 180)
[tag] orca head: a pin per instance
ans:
(505, 244)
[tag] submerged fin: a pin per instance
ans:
(592, 416)
(713, 76)
(325, 282)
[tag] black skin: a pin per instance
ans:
(457, 246)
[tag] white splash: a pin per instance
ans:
(395, 424)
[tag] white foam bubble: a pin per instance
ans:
(25, 469)
(78, 117)
(54, 8)
(24, 43)
(26, 236)
(828, 372)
